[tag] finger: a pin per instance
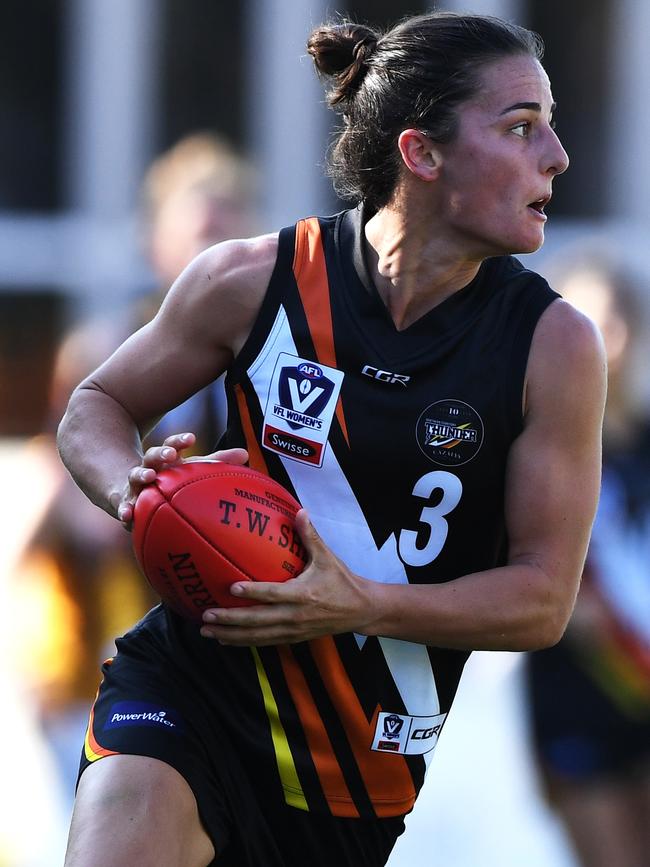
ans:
(249, 637)
(169, 452)
(180, 441)
(229, 456)
(255, 629)
(258, 592)
(161, 457)
(125, 514)
(140, 476)
(123, 509)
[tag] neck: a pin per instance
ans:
(413, 264)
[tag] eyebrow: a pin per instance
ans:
(531, 106)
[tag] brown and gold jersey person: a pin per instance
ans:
(434, 406)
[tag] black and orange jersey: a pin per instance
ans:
(396, 442)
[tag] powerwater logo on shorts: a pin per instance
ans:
(449, 432)
(140, 713)
(407, 735)
(300, 408)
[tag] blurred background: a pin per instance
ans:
(134, 134)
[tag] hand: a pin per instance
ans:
(325, 599)
(158, 458)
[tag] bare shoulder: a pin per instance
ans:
(567, 356)
(242, 262)
(229, 268)
(223, 287)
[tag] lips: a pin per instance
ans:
(539, 204)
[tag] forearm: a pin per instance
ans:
(98, 443)
(510, 608)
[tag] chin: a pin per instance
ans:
(524, 245)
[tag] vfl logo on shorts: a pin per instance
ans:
(407, 735)
(300, 408)
(140, 713)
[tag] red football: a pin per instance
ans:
(205, 524)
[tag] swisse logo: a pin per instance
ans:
(140, 713)
(290, 445)
(385, 375)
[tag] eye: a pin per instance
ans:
(521, 129)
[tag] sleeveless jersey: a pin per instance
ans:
(396, 443)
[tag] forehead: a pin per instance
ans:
(509, 81)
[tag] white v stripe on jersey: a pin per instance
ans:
(341, 523)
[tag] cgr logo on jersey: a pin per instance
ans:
(407, 735)
(449, 432)
(385, 375)
(300, 408)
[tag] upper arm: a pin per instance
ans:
(554, 467)
(201, 325)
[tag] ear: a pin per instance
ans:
(420, 154)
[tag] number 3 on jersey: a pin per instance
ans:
(432, 516)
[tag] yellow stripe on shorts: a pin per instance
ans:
(293, 793)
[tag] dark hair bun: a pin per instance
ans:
(342, 51)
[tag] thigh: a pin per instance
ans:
(147, 708)
(272, 833)
(136, 810)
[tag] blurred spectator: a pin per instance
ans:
(590, 695)
(196, 194)
(77, 576)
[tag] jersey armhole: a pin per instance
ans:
(520, 353)
(269, 306)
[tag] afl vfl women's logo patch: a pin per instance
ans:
(450, 433)
(407, 735)
(300, 408)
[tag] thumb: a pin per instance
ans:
(310, 538)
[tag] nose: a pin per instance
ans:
(557, 159)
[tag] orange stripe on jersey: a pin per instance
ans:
(387, 777)
(256, 458)
(310, 271)
(328, 769)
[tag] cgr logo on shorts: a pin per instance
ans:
(140, 713)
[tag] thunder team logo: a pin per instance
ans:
(450, 432)
(300, 408)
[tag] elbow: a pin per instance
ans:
(546, 607)
(547, 626)
(545, 634)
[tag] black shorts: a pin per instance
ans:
(580, 733)
(144, 707)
